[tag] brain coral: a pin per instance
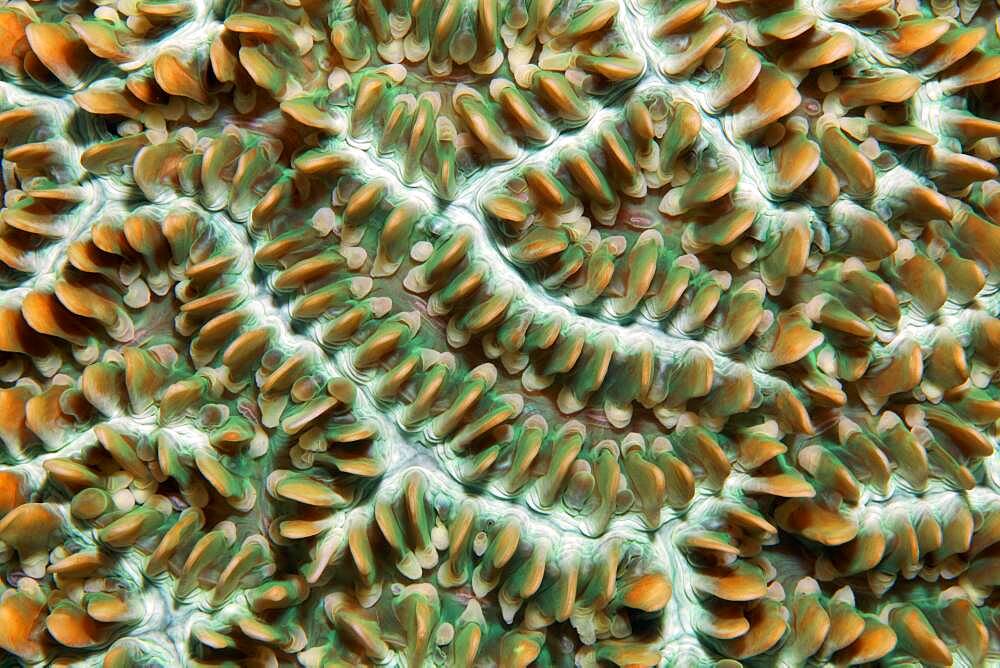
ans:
(499, 333)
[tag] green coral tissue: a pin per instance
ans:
(499, 333)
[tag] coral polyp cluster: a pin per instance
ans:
(499, 332)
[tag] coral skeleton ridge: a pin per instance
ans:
(500, 333)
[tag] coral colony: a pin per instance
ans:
(499, 333)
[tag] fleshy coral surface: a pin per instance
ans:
(499, 332)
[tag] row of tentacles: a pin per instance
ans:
(699, 367)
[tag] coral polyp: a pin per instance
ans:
(499, 333)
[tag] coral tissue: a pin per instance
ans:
(499, 333)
